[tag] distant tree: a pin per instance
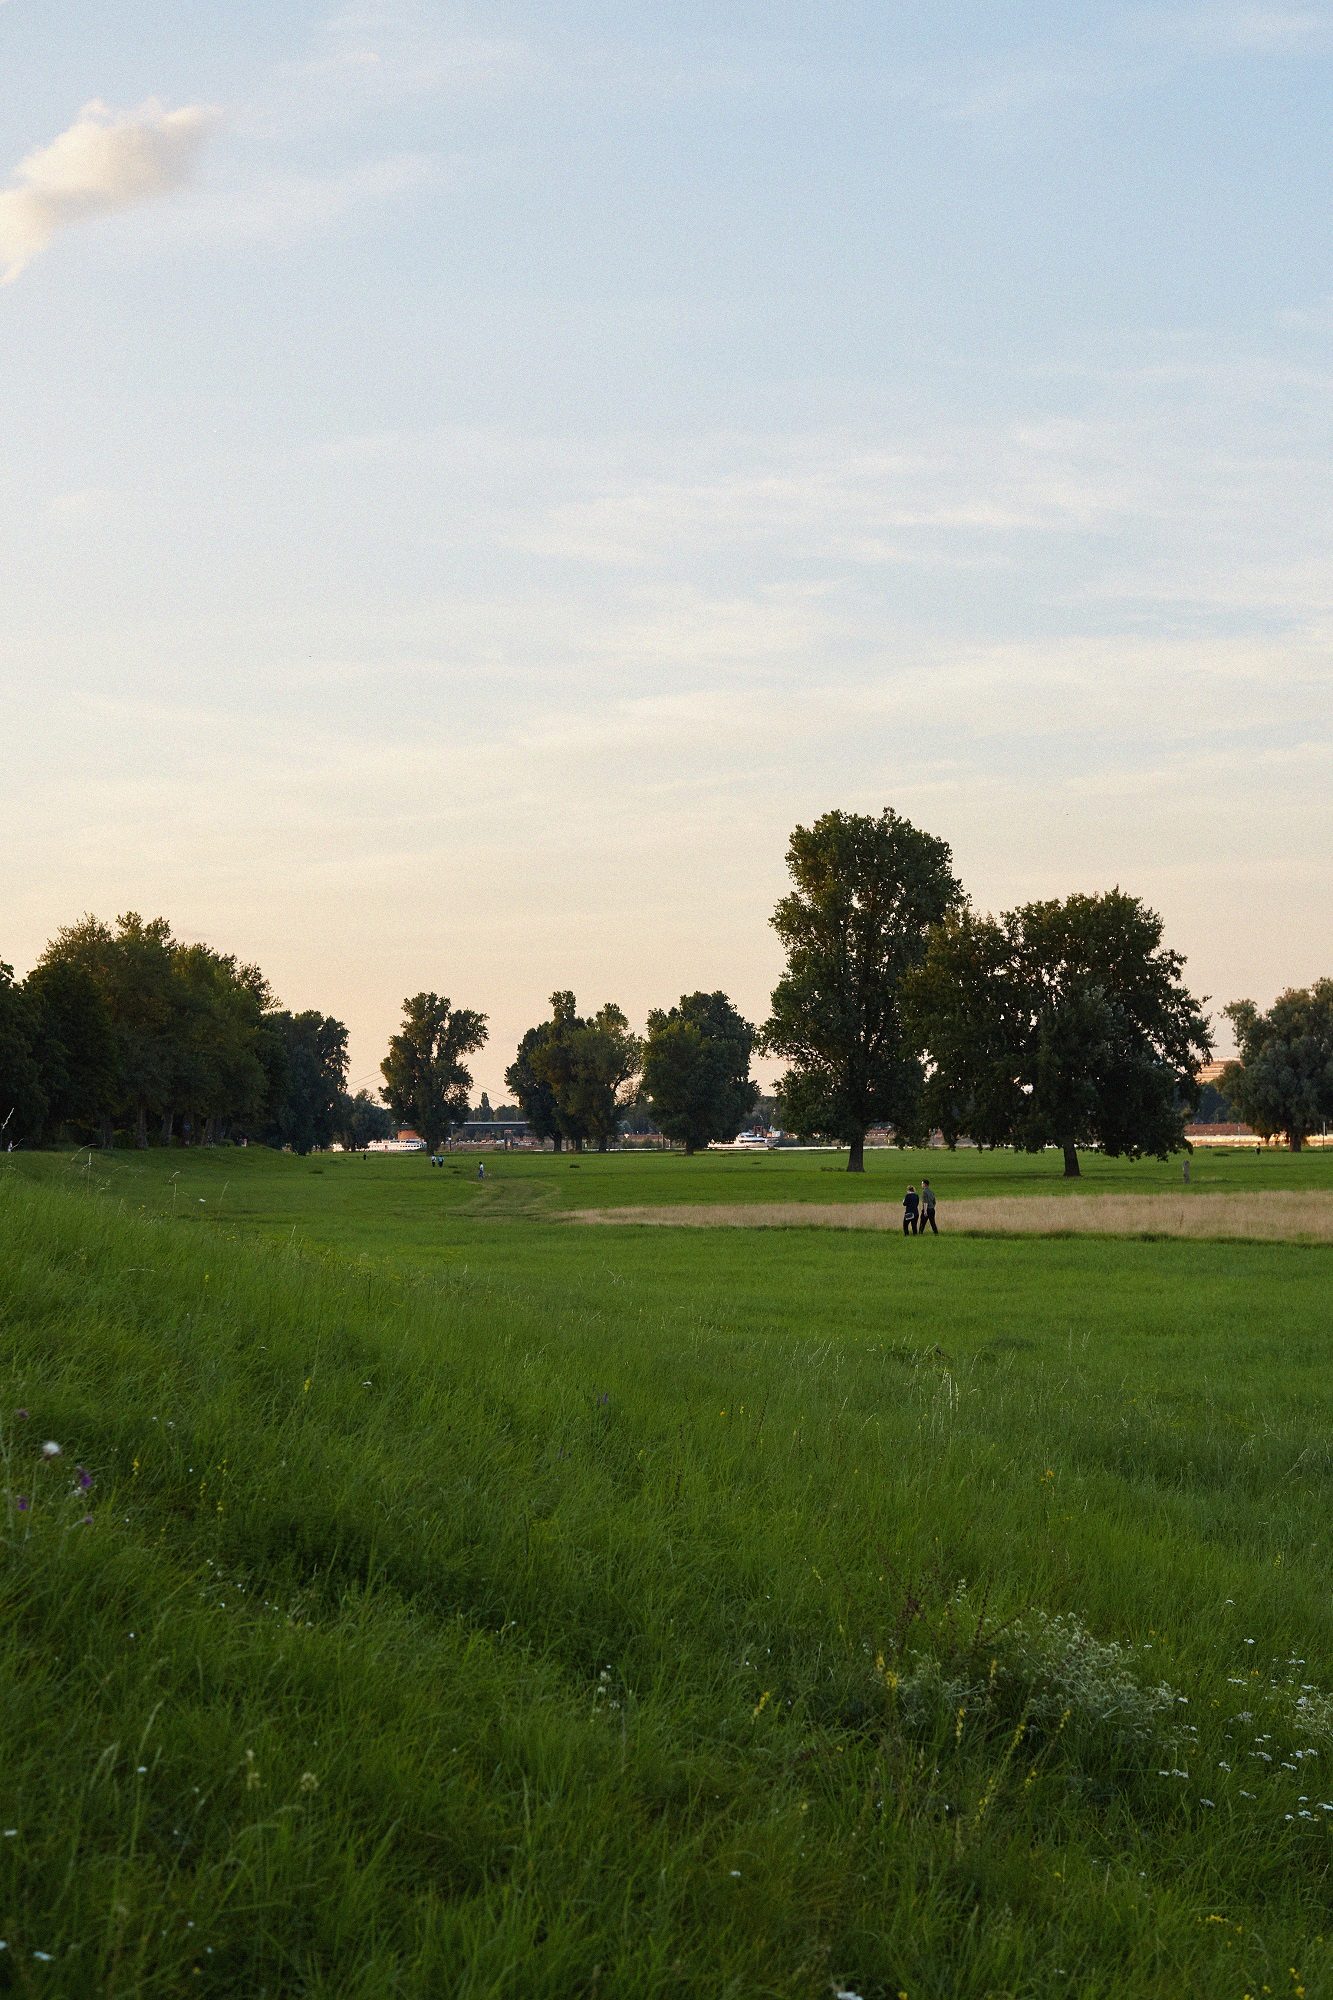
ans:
(636, 1116)
(311, 1077)
(360, 1119)
(1060, 1023)
(484, 1114)
(1282, 1079)
(587, 1065)
(1215, 1108)
(23, 1101)
(866, 894)
(536, 1099)
(74, 1047)
(765, 1115)
(696, 1069)
(507, 1114)
(425, 1082)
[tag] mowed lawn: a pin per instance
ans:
(652, 1611)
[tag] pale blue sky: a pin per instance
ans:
(475, 476)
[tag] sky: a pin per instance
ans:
(474, 477)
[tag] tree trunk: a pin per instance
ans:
(141, 1127)
(1071, 1161)
(856, 1158)
(168, 1126)
(558, 1142)
(1296, 1141)
(603, 1143)
(689, 1149)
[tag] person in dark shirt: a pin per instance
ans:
(927, 1209)
(911, 1203)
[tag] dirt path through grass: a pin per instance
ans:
(1278, 1215)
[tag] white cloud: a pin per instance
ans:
(103, 162)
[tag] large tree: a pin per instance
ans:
(696, 1069)
(588, 1066)
(865, 894)
(23, 1099)
(536, 1099)
(74, 1045)
(1282, 1080)
(131, 964)
(425, 1082)
(307, 1074)
(1062, 1023)
(218, 1075)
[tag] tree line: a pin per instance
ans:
(120, 1029)
(1061, 1023)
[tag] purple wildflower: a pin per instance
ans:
(22, 1416)
(87, 1521)
(85, 1477)
(23, 1503)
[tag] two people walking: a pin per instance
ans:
(919, 1210)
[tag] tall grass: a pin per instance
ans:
(532, 1624)
(1260, 1216)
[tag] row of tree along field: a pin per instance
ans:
(1062, 1023)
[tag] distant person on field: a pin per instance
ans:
(927, 1209)
(911, 1203)
(481, 1170)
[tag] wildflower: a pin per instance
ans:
(22, 1416)
(23, 1503)
(50, 1449)
(763, 1701)
(251, 1772)
(85, 1478)
(309, 1782)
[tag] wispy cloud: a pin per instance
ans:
(371, 57)
(281, 205)
(103, 162)
(1235, 30)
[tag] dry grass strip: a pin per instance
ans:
(1266, 1215)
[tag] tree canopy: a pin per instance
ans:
(696, 1069)
(1060, 1023)
(866, 893)
(426, 1084)
(1282, 1080)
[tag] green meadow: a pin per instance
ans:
(431, 1596)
